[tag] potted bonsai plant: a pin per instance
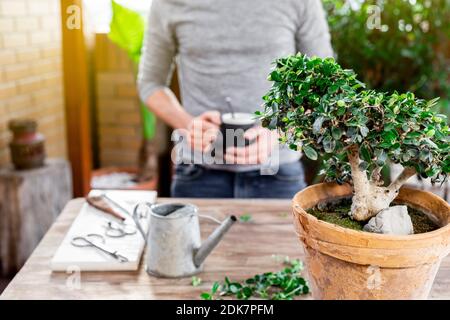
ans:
(323, 110)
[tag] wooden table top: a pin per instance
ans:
(246, 250)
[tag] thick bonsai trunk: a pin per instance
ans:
(369, 197)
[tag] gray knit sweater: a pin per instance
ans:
(224, 48)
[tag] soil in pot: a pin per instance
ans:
(336, 212)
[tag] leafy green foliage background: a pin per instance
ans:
(411, 52)
(127, 29)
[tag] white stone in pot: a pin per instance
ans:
(393, 220)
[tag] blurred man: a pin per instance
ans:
(224, 49)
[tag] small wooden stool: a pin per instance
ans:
(30, 201)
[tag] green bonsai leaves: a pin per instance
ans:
(323, 109)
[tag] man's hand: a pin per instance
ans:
(203, 130)
(256, 153)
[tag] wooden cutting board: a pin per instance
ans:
(91, 220)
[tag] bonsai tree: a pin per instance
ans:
(323, 110)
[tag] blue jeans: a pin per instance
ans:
(194, 181)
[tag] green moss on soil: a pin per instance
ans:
(336, 212)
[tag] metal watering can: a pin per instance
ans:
(173, 240)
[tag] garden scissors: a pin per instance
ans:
(140, 212)
(97, 241)
(115, 230)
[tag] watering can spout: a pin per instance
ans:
(213, 240)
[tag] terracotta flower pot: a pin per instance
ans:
(27, 146)
(350, 264)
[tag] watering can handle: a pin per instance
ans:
(210, 218)
(136, 220)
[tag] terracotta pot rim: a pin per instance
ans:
(298, 210)
(339, 259)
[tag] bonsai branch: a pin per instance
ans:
(377, 176)
(369, 197)
(402, 178)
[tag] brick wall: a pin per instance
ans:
(117, 106)
(31, 71)
(118, 118)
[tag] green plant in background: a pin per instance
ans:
(247, 217)
(196, 281)
(127, 29)
(401, 45)
(323, 110)
(285, 284)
